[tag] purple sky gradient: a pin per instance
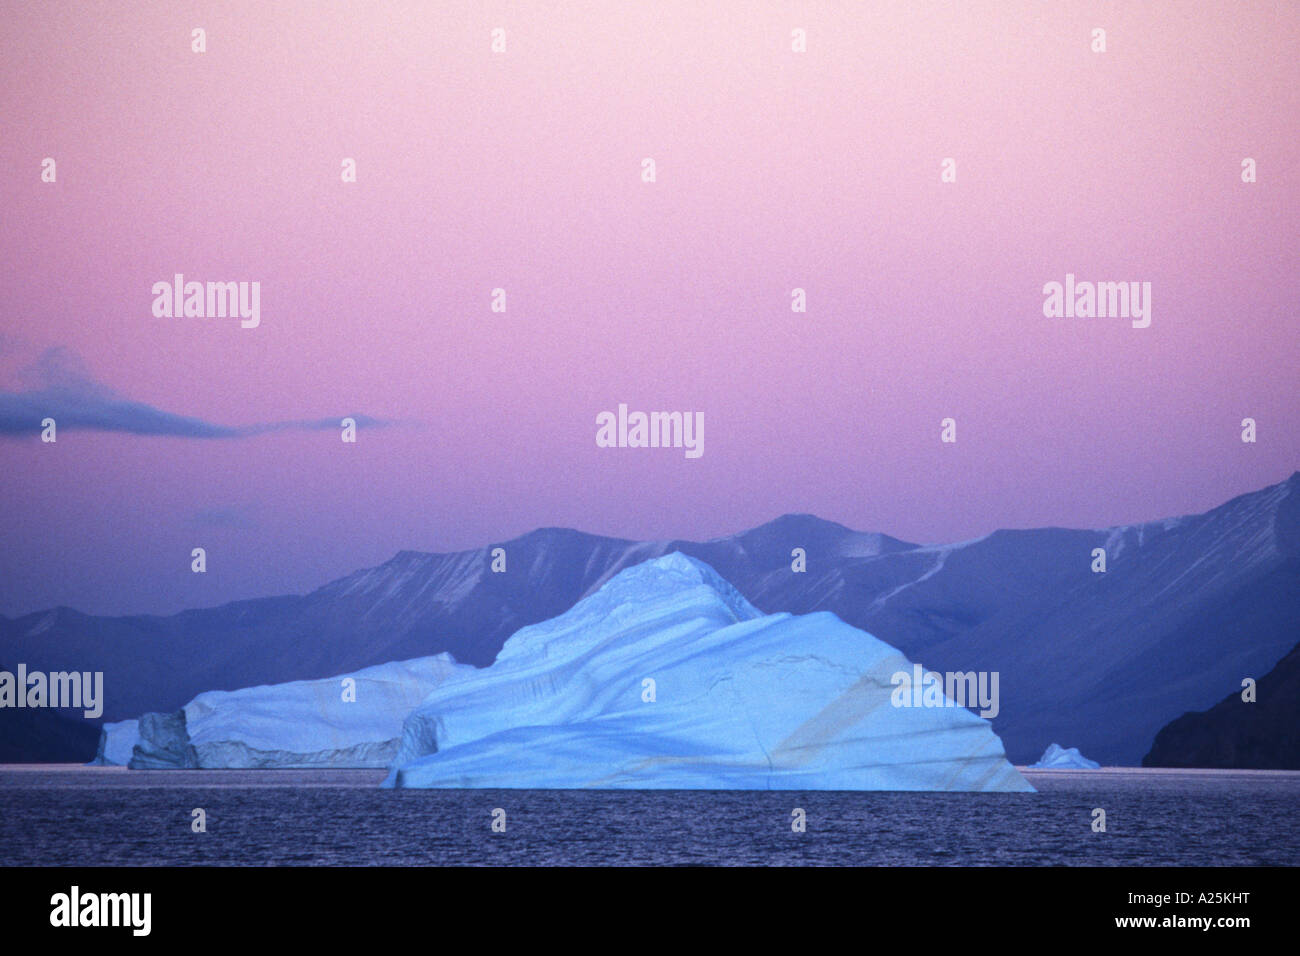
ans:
(521, 170)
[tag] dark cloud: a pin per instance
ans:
(58, 386)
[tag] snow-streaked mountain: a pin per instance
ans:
(667, 678)
(1186, 607)
(320, 723)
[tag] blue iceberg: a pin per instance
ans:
(310, 723)
(1056, 757)
(667, 678)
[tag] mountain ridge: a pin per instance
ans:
(485, 550)
(1185, 601)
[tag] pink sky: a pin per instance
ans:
(522, 170)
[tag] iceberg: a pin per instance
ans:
(667, 678)
(116, 741)
(1056, 757)
(311, 723)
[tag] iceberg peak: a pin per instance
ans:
(669, 573)
(669, 587)
(1056, 757)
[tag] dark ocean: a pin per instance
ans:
(110, 816)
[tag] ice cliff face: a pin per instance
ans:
(1056, 757)
(298, 724)
(667, 678)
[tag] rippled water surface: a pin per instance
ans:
(97, 816)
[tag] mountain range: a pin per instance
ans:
(1101, 661)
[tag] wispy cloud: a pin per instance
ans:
(58, 386)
